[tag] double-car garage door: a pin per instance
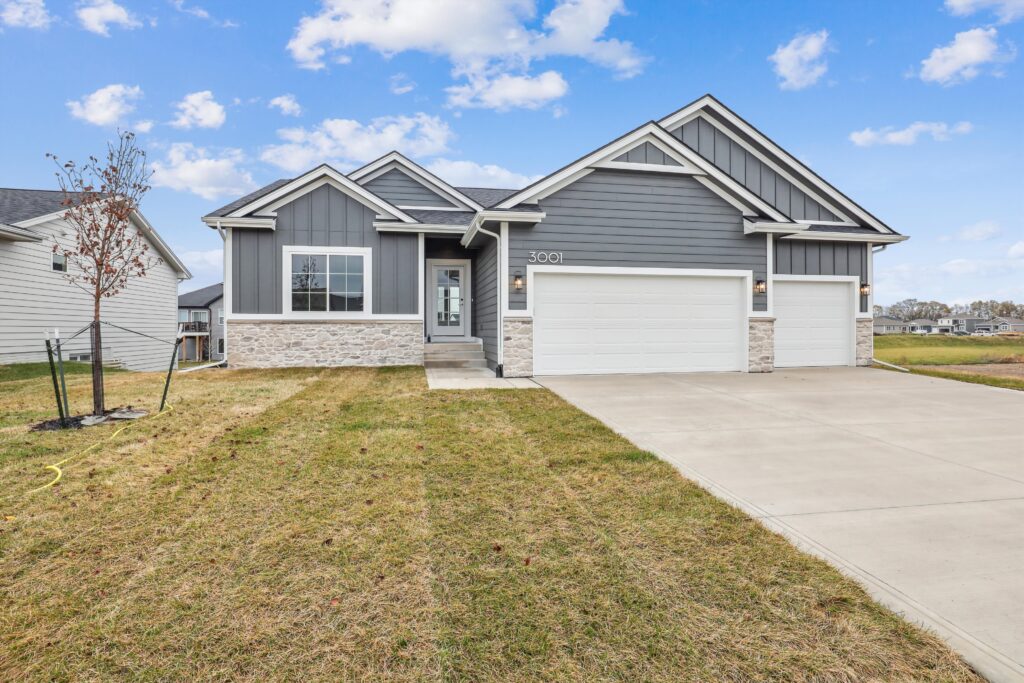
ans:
(597, 323)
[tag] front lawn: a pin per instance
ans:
(16, 371)
(350, 525)
(917, 349)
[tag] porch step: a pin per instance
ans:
(454, 355)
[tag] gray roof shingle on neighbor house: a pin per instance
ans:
(18, 205)
(252, 196)
(486, 196)
(886, 320)
(201, 298)
(922, 321)
(441, 217)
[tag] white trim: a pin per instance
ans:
(434, 208)
(505, 216)
(650, 168)
(286, 282)
(394, 159)
(871, 283)
(854, 281)
(421, 254)
(503, 269)
(226, 236)
(310, 181)
(769, 279)
(629, 141)
(767, 228)
(532, 270)
(421, 228)
(841, 224)
(708, 101)
(872, 238)
(265, 223)
(561, 184)
(467, 326)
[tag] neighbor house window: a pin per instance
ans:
(220, 346)
(220, 316)
(182, 316)
(333, 281)
(200, 316)
(59, 263)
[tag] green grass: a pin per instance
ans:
(912, 349)
(18, 371)
(351, 525)
(973, 378)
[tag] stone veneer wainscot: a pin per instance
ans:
(761, 344)
(291, 343)
(518, 350)
(865, 341)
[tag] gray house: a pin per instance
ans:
(919, 325)
(691, 243)
(886, 325)
(201, 318)
(38, 298)
(1001, 324)
(961, 324)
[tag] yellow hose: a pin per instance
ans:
(56, 466)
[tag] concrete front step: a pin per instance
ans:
(453, 346)
(463, 363)
(441, 355)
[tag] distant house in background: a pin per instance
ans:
(201, 315)
(37, 297)
(921, 325)
(962, 324)
(885, 325)
(1000, 324)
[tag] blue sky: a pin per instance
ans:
(912, 108)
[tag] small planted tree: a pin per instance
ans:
(108, 251)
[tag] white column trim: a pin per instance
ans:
(770, 278)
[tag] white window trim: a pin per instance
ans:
(531, 270)
(286, 283)
(220, 315)
(54, 255)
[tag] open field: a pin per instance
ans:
(913, 349)
(350, 525)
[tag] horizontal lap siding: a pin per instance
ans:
(631, 219)
(34, 299)
(485, 298)
(326, 217)
(398, 188)
(717, 147)
(800, 257)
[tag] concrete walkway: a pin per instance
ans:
(474, 378)
(912, 485)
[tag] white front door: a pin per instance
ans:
(814, 323)
(448, 299)
(598, 324)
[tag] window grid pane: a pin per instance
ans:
(322, 282)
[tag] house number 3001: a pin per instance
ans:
(545, 257)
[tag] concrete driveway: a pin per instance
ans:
(912, 485)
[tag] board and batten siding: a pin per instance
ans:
(401, 190)
(35, 299)
(639, 220)
(485, 298)
(716, 146)
(325, 217)
(804, 257)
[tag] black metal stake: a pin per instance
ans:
(170, 369)
(60, 366)
(53, 374)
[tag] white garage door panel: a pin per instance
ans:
(599, 324)
(813, 324)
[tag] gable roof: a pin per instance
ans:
(486, 196)
(227, 209)
(201, 298)
(394, 159)
(734, 122)
(886, 320)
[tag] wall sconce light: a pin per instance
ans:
(865, 289)
(760, 287)
(517, 281)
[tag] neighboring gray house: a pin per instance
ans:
(887, 325)
(921, 325)
(962, 324)
(693, 243)
(1001, 324)
(37, 297)
(201, 317)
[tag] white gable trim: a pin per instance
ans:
(692, 109)
(319, 176)
(394, 160)
(701, 167)
(684, 164)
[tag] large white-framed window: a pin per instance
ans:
(327, 282)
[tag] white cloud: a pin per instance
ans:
(472, 174)
(483, 39)
(98, 15)
(961, 60)
(201, 13)
(976, 232)
(287, 105)
(345, 142)
(508, 92)
(143, 126)
(1005, 10)
(106, 106)
(188, 168)
(800, 63)
(25, 14)
(909, 135)
(399, 84)
(202, 262)
(199, 109)
(1017, 250)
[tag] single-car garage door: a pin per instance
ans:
(600, 324)
(814, 323)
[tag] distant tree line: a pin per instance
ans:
(911, 309)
